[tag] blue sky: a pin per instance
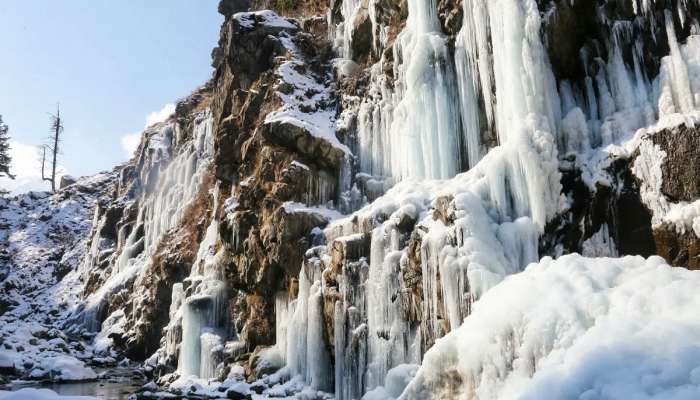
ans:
(108, 63)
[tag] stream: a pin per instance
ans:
(118, 385)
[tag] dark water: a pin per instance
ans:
(119, 386)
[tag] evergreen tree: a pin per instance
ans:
(5, 159)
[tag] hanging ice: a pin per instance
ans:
(420, 139)
(169, 185)
(306, 353)
(204, 310)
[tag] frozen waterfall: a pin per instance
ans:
(430, 123)
(204, 311)
(473, 141)
(413, 131)
(170, 182)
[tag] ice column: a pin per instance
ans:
(680, 82)
(425, 129)
(307, 354)
(474, 77)
(390, 337)
(204, 311)
(413, 130)
(351, 332)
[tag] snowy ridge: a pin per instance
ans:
(265, 17)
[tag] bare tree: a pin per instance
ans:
(53, 147)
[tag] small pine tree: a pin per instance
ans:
(5, 159)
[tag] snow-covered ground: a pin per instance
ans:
(43, 241)
(38, 394)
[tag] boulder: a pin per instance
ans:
(67, 180)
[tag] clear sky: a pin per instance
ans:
(108, 63)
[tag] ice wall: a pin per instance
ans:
(173, 165)
(412, 130)
(204, 311)
(400, 136)
(497, 210)
(500, 83)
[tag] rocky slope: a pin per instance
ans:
(43, 240)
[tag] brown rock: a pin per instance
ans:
(362, 35)
(301, 140)
(681, 167)
(682, 250)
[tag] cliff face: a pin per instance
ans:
(353, 179)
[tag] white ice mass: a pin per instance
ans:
(574, 328)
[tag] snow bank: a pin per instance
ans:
(574, 328)
(38, 394)
(66, 368)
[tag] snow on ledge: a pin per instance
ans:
(291, 207)
(264, 17)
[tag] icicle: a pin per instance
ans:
(620, 81)
(414, 131)
(680, 82)
(318, 362)
(306, 354)
(204, 311)
(212, 354)
(426, 120)
(193, 320)
(474, 75)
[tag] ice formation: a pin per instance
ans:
(202, 308)
(305, 351)
(419, 121)
(500, 83)
(548, 333)
(166, 192)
